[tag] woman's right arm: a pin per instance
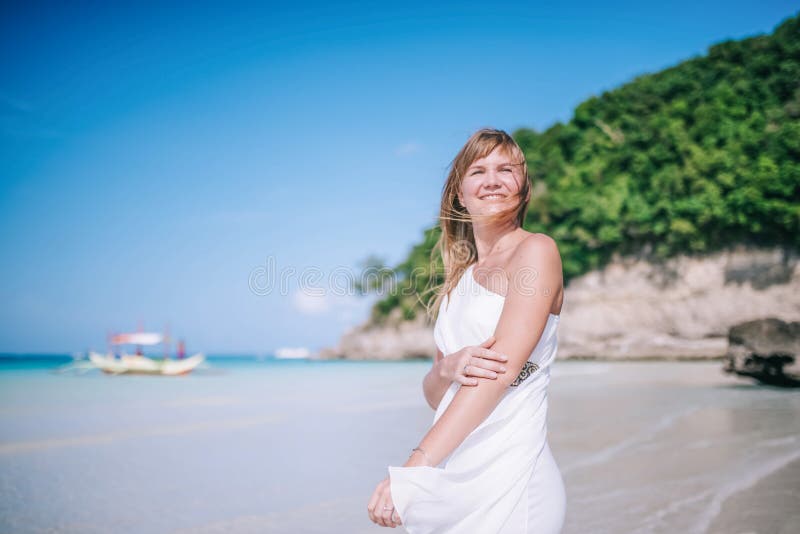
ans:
(435, 384)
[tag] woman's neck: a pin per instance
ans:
(492, 240)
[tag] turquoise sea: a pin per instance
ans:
(294, 446)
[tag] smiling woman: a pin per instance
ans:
(485, 464)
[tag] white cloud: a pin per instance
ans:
(348, 309)
(311, 303)
(407, 149)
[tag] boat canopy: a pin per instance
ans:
(137, 338)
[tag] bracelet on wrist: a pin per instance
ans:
(425, 454)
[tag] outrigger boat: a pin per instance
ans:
(139, 363)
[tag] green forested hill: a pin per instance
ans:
(691, 159)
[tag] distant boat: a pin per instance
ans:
(139, 363)
(287, 353)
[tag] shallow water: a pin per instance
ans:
(297, 446)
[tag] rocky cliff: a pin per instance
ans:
(635, 309)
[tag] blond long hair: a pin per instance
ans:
(456, 245)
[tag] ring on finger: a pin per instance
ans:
(465, 369)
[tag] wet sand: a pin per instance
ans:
(770, 506)
(666, 447)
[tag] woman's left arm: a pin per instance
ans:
(535, 277)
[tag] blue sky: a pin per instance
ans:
(154, 158)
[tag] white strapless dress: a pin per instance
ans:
(502, 478)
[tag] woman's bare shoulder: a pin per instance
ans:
(536, 249)
(531, 241)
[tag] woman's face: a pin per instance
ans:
(491, 183)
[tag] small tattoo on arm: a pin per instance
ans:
(527, 370)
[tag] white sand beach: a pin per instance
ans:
(298, 447)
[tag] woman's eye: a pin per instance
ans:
(476, 172)
(506, 170)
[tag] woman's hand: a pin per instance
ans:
(471, 363)
(381, 508)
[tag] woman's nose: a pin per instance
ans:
(492, 179)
